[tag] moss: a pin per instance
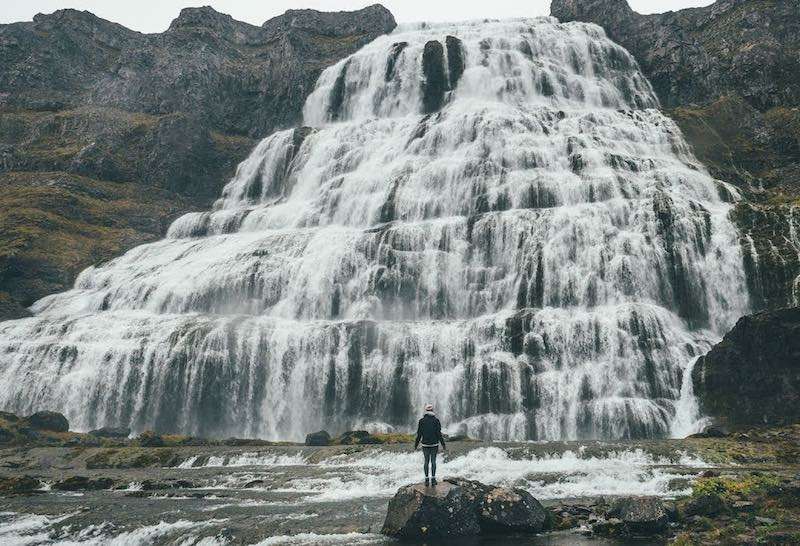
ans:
(394, 438)
(131, 457)
(52, 225)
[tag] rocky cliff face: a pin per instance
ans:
(729, 74)
(107, 134)
(753, 376)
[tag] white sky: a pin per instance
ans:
(155, 15)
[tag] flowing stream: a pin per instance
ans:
(491, 216)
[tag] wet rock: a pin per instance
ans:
(611, 527)
(511, 510)
(51, 421)
(6, 435)
(254, 483)
(435, 82)
(111, 432)
(764, 346)
(321, 438)
(9, 417)
(81, 440)
(83, 483)
(18, 485)
(362, 437)
(640, 515)
(149, 438)
(455, 59)
(458, 507)
(419, 512)
(706, 505)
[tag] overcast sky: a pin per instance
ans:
(155, 15)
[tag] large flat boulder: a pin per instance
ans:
(458, 508)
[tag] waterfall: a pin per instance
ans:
(490, 216)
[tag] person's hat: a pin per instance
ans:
(429, 407)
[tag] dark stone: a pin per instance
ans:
(254, 483)
(435, 82)
(51, 421)
(82, 440)
(9, 417)
(455, 60)
(6, 435)
(321, 438)
(18, 485)
(640, 515)
(418, 512)
(352, 437)
(458, 507)
(706, 505)
(111, 432)
(149, 438)
(82, 483)
(765, 346)
(391, 63)
(711, 431)
(511, 510)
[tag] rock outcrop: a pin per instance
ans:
(92, 112)
(458, 508)
(729, 74)
(642, 516)
(48, 420)
(321, 438)
(752, 377)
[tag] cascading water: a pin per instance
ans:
(491, 216)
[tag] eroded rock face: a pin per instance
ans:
(458, 507)
(752, 377)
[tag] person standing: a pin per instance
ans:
(429, 433)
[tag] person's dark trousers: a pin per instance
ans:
(430, 459)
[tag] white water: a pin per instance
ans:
(378, 473)
(34, 529)
(542, 258)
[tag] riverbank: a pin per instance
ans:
(744, 488)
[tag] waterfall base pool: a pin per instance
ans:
(302, 495)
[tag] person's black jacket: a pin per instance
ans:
(429, 431)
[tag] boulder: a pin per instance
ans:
(18, 485)
(458, 507)
(419, 512)
(48, 420)
(511, 510)
(149, 438)
(640, 515)
(82, 483)
(111, 432)
(321, 438)
(363, 437)
(706, 505)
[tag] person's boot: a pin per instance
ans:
(433, 481)
(427, 482)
